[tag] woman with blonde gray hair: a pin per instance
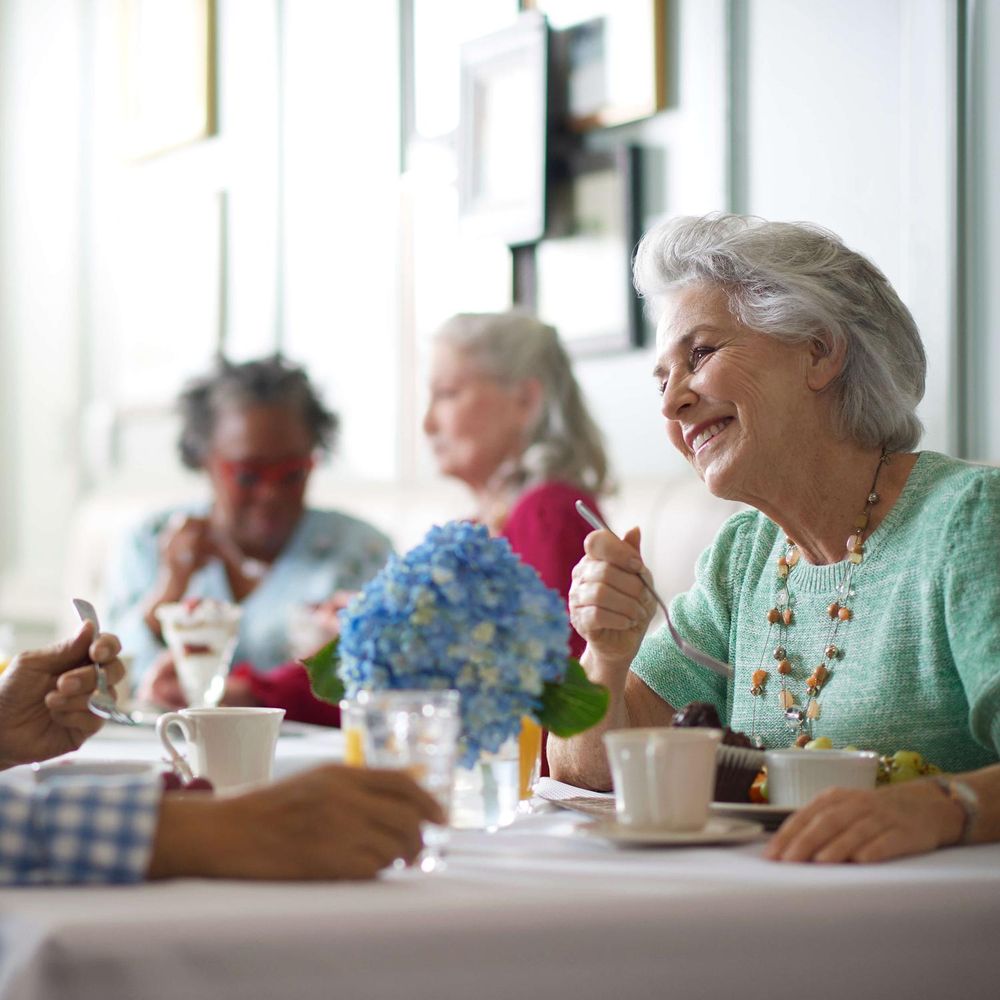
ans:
(857, 600)
(507, 418)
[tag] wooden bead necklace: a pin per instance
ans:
(782, 617)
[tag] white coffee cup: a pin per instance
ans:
(663, 777)
(231, 747)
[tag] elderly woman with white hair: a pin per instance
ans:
(857, 598)
(507, 418)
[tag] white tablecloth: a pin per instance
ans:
(536, 910)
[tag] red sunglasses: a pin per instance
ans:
(288, 472)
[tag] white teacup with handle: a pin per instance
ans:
(233, 748)
(663, 777)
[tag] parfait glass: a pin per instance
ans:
(201, 635)
(415, 731)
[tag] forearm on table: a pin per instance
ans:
(192, 838)
(582, 760)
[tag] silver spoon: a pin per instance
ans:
(101, 702)
(692, 652)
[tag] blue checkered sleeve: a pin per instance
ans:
(77, 831)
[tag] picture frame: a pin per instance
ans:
(502, 132)
(430, 36)
(580, 278)
(169, 73)
(608, 60)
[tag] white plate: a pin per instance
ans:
(715, 831)
(76, 769)
(770, 816)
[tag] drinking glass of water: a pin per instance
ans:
(415, 731)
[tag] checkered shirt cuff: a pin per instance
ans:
(74, 831)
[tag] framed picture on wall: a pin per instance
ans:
(582, 281)
(502, 132)
(608, 60)
(431, 36)
(169, 74)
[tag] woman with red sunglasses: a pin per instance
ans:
(255, 430)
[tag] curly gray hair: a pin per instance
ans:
(797, 281)
(564, 444)
(265, 382)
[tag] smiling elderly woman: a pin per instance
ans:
(789, 372)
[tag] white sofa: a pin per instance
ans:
(677, 515)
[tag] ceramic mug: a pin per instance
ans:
(231, 747)
(663, 777)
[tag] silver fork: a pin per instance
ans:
(692, 652)
(101, 702)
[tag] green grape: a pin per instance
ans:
(820, 743)
(908, 758)
(899, 774)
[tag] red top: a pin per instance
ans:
(543, 528)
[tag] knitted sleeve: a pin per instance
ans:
(971, 584)
(703, 615)
(545, 530)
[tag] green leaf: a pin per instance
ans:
(322, 668)
(574, 704)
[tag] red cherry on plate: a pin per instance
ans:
(171, 782)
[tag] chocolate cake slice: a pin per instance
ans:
(738, 761)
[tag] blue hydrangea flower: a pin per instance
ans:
(459, 611)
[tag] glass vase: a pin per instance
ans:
(486, 795)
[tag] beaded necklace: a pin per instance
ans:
(782, 617)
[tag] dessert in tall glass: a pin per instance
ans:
(201, 633)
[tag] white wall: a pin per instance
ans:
(851, 124)
(983, 355)
(40, 178)
(341, 155)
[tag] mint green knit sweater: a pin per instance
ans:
(920, 668)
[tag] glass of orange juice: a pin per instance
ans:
(352, 725)
(529, 759)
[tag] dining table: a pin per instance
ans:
(542, 908)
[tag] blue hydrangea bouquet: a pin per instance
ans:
(462, 611)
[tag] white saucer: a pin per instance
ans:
(715, 831)
(77, 769)
(771, 816)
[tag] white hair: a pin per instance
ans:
(564, 443)
(797, 281)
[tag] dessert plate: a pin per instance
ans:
(715, 831)
(770, 816)
(89, 769)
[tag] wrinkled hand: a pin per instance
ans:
(327, 614)
(160, 684)
(185, 546)
(849, 825)
(43, 696)
(331, 822)
(608, 604)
